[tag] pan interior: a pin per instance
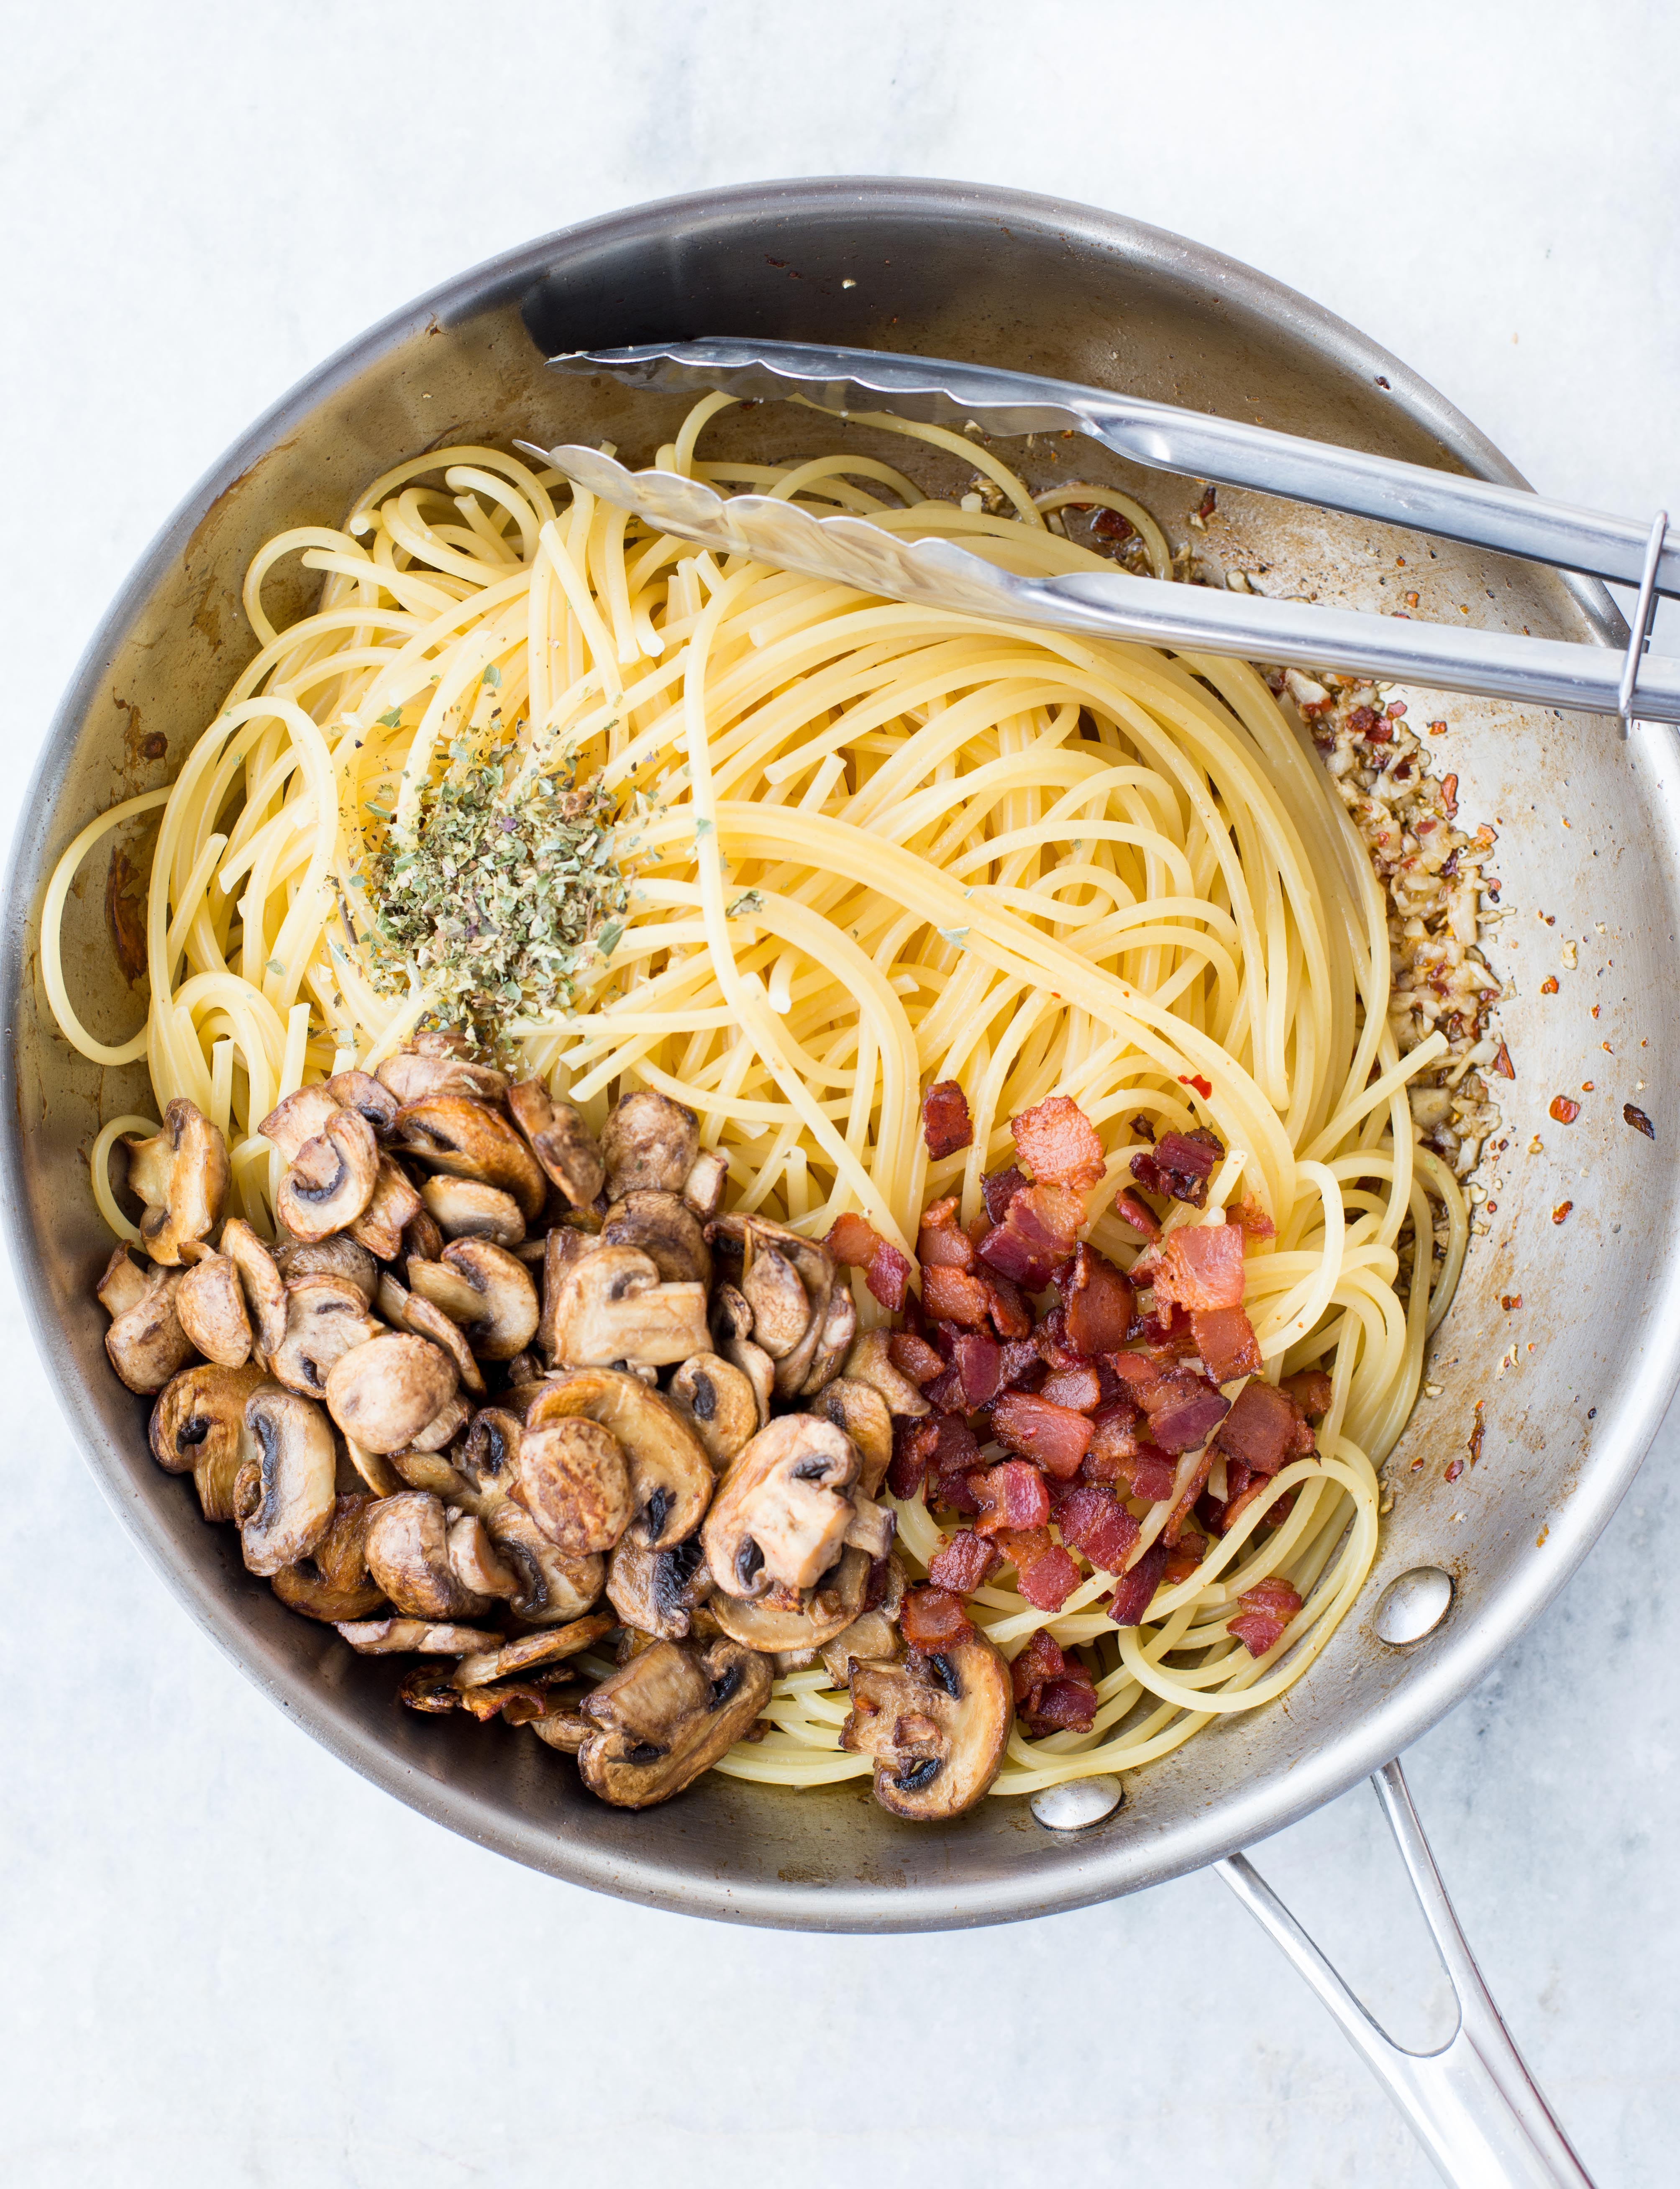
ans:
(1571, 1382)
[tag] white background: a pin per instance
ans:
(227, 1961)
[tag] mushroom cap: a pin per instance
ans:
(824, 1611)
(759, 1369)
(325, 1317)
(657, 1591)
(772, 1289)
(301, 1117)
(146, 1343)
(666, 1229)
(651, 1141)
(667, 1715)
(467, 1208)
(408, 1554)
(936, 1726)
(475, 1560)
(444, 1288)
(782, 1512)
(198, 1423)
(283, 1500)
(413, 1076)
(410, 1311)
(331, 1179)
(553, 1588)
(124, 1282)
(670, 1478)
(719, 1401)
(379, 1228)
(702, 1188)
(449, 1132)
(571, 1477)
(839, 1328)
(561, 1141)
(384, 1392)
(611, 1306)
(859, 1409)
(442, 1430)
(337, 1256)
(506, 1317)
(210, 1310)
(333, 1582)
(874, 1632)
(360, 1091)
(261, 1281)
(181, 1174)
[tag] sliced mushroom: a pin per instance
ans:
(819, 1614)
(376, 1471)
(389, 1637)
(331, 1179)
(874, 1632)
(702, 1188)
(408, 1554)
(611, 1306)
(561, 1141)
(466, 1208)
(260, 1279)
(839, 1328)
(416, 1469)
(422, 1241)
(284, 1499)
(198, 1423)
(859, 1409)
(384, 1392)
(670, 1478)
(768, 1253)
(123, 1283)
(395, 1203)
(411, 1077)
(868, 1362)
(181, 1174)
(649, 1142)
(359, 1091)
(505, 1317)
(146, 1343)
(572, 1478)
(445, 1427)
(426, 1320)
(475, 1559)
(211, 1309)
(720, 1402)
(324, 1318)
(662, 1227)
(563, 1727)
(333, 1582)
(531, 1652)
(657, 1591)
(781, 1312)
(301, 1117)
(338, 1256)
(553, 1586)
(562, 1247)
(444, 1288)
(936, 1726)
(783, 1510)
(668, 1715)
(759, 1369)
(448, 1133)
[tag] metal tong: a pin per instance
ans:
(1115, 604)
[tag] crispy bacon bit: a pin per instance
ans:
(1019, 1367)
(1011, 1317)
(942, 1446)
(1048, 1580)
(1186, 1555)
(1638, 1120)
(1109, 524)
(1114, 1431)
(1189, 1486)
(1151, 1473)
(1258, 1492)
(1261, 1428)
(912, 1356)
(941, 1243)
(1267, 1610)
(1021, 1545)
(1054, 1436)
(1252, 1219)
(1503, 1065)
(1204, 1088)
(888, 1275)
(955, 1296)
(1053, 1694)
(963, 1562)
(976, 1362)
(1179, 1164)
(933, 1618)
(998, 1188)
(1563, 1110)
(1012, 1494)
(1094, 1521)
(887, 1272)
(1079, 1387)
(1185, 1422)
(1058, 1143)
(1136, 1591)
(1130, 1210)
(1200, 1265)
(1036, 1236)
(1225, 1338)
(946, 1124)
(1097, 1303)
(1311, 1390)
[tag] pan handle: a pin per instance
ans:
(1473, 2105)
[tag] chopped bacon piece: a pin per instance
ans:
(963, 1562)
(1258, 1491)
(1011, 1496)
(1136, 1591)
(1311, 1390)
(888, 1275)
(1021, 1545)
(1051, 1338)
(1036, 1236)
(941, 1243)
(1179, 1164)
(1048, 1580)
(1094, 1521)
(1225, 1338)
(1185, 1422)
(1183, 1504)
(886, 1271)
(998, 1188)
(1114, 1437)
(1068, 1705)
(933, 1618)
(852, 1240)
(1260, 1428)
(955, 1493)
(1020, 1364)
(1097, 1303)
(1200, 1266)
(946, 1124)
(1011, 1317)
(1186, 1555)
(912, 1356)
(1058, 1143)
(1267, 1610)
(955, 1296)
(1079, 1388)
(1130, 1210)
(1151, 1472)
(1053, 1435)
(914, 1442)
(1039, 1663)
(1252, 1219)
(977, 1363)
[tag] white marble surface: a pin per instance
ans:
(229, 1960)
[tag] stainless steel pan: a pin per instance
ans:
(1083, 296)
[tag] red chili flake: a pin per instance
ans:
(1561, 1211)
(1587, 1086)
(1204, 1088)
(1548, 986)
(1595, 1011)
(1379, 733)
(1508, 1300)
(1438, 728)
(1638, 1120)
(1208, 503)
(1455, 1468)
(1503, 1065)
(1489, 1208)
(1109, 524)
(1449, 783)
(1565, 1111)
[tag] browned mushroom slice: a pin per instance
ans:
(123, 1282)
(839, 1328)
(702, 1188)
(668, 1715)
(868, 1362)
(444, 1288)
(781, 1312)
(284, 1500)
(819, 1614)
(325, 1317)
(611, 1306)
(384, 1392)
(362, 1092)
(466, 1208)
(562, 1247)
(649, 1141)
(145, 1341)
(421, 1317)
(561, 1141)
(936, 1726)
(769, 1251)
(553, 1587)
(445, 1427)
(562, 1726)
(505, 1318)
(663, 1228)
(376, 1471)
(423, 1240)
(390, 1637)
(428, 1688)
(659, 1592)
(785, 1508)
(571, 1477)
(331, 1179)
(531, 1652)
(415, 1469)
(333, 1582)
(302, 1116)
(670, 1478)
(262, 1282)
(211, 1309)
(338, 1257)
(408, 1554)
(859, 1409)
(413, 1076)
(720, 1401)
(759, 1369)
(379, 1228)
(198, 1423)
(181, 1174)
(874, 1632)
(448, 1133)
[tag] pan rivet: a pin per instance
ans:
(1077, 1802)
(1413, 1606)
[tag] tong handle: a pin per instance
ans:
(1472, 2104)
